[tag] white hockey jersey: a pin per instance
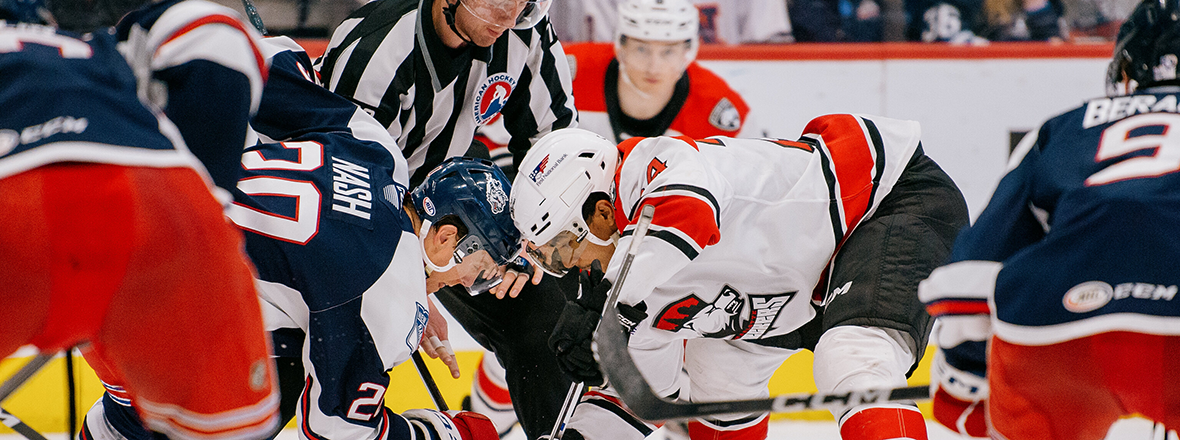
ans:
(744, 228)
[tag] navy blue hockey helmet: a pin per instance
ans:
(475, 191)
(1147, 47)
(24, 11)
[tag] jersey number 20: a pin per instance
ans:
(306, 222)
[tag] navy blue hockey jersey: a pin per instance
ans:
(335, 253)
(1079, 236)
(69, 98)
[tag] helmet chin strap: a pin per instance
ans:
(422, 233)
(449, 13)
(614, 238)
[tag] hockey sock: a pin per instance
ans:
(489, 394)
(884, 424)
(702, 431)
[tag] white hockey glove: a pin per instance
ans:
(451, 425)
(956, 295)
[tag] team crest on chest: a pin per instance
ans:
(491, 96)
(733, 315)
(725, 116)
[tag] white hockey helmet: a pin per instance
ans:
(659, 20)
(554, 180)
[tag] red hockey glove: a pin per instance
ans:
(465, 425)
(960, 397)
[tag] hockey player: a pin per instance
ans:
(432, 72)
(1057, 311)
(200, 63)
(647, 84)
(745, 230)
(110, 236)
(339, 261)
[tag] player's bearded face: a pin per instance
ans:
(653, 65)
(485, 20)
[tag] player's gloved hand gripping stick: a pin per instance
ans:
(576, 390)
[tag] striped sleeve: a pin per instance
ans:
(543, 101)
(855, 159)
(668, 174)
(369, 60)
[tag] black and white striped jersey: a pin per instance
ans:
(388, 59)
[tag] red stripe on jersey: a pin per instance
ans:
(852, 158)
(229, 21)
(692, 216)
(791, 144)
(958, 307)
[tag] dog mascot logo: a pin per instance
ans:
(727, 317)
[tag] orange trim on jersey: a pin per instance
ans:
(589, 64)
(226, 20)
(852, 160)
(791, 144)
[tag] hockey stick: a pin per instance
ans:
(576, 390)
(616, 362)
(21, 376)
(252, 14)
(428, 380)
(19, 426)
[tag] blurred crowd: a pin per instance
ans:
(956, 21)
(807, 21)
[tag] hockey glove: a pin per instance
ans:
(574, 333)
(572, 337)
(960, 397)
(465, 425)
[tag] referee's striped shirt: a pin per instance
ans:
(388, 59)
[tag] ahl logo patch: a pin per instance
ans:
(726, 317)
(725, 116)
(491, 97)
(497, 198)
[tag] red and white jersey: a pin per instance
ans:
(708, 106)
(744, 228)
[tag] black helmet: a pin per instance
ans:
(1147, 47)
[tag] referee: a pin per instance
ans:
(432, 71)
(433, 78)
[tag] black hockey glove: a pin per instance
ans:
(574, 332)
